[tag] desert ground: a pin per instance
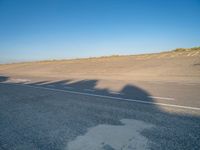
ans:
(148, 101)
(166, 66)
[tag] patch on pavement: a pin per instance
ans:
(113, 137)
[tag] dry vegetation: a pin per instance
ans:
(187, 49)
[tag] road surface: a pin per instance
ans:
(68, 115)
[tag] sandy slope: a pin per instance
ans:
(167, 66)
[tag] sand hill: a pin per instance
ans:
(177, 65)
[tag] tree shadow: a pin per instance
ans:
(3, 78)
(43, 118)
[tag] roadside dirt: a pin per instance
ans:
(166, 66)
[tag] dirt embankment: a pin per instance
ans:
(178, 65)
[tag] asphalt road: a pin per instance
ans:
(77, 115)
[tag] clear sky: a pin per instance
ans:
(56, 29)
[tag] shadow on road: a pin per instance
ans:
(3, 78)
(46, 120)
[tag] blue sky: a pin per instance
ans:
(56, 29)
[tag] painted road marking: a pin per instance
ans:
(90, 90)
(68, 87)
(164, 98)
(51, 85)
(110, 97)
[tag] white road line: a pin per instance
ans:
(90, 90)
(51, 85)
(164, 98)
(110, 97)
(68, 87)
